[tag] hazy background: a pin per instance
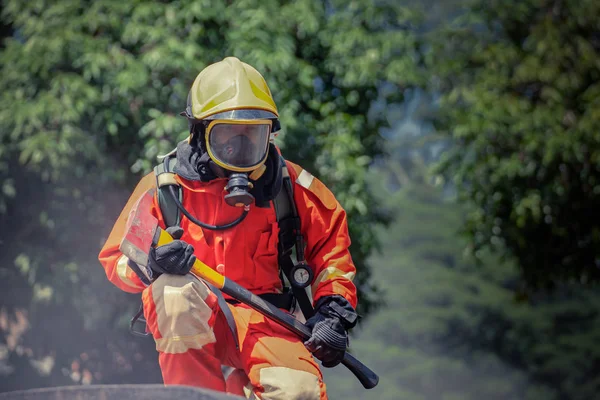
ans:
(462, 137)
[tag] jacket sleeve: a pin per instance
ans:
(325, 230)
(111, 258)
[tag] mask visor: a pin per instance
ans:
(238, 145)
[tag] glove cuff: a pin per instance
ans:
(338, 307)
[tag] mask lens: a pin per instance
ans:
(239, 145)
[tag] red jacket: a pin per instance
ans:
(247, 253)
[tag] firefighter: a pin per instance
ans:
(230, 172)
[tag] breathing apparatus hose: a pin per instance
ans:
(200, 223)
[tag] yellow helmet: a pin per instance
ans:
(233, 116)
(228, 86)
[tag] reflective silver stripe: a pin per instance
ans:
(305, 179)
(182, 314)
(329, 273)
(122, 269)
(166, 178)
(281, 383)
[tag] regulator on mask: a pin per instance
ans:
(238, 188)
(238, 150)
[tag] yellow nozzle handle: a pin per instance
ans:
(199, 269)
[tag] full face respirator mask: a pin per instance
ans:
(238, 150)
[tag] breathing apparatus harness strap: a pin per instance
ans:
(165, 178)
(290, 238)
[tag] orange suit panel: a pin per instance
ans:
(246, 254)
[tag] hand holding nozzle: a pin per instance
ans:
(176, 257)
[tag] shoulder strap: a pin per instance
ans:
(165, 177)
(172, 217)
(290, 237)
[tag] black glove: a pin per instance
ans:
(333, 317)
(176, 257)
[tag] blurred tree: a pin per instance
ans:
(452, 329)
(521, 94)
(432, 294)
(89, 95)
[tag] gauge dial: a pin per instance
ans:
(301, 275)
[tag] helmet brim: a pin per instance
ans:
(242, 114)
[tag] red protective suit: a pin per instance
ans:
(191, 336)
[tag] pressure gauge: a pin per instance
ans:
(301, 275)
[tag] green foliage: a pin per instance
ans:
(90, 93)
(453, 329)
(520, 84)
